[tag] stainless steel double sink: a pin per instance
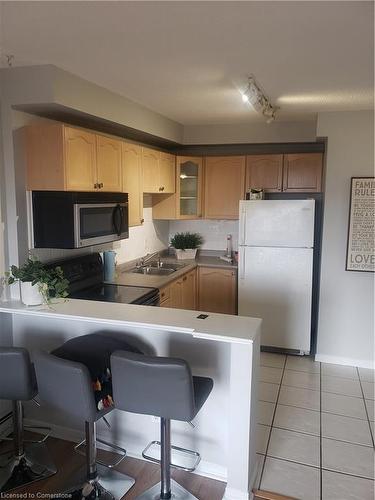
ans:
(158, 268)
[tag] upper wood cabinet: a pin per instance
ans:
(64, 158)
(132, 181)
(167, 172)
(217, 288)
(79, 159)
(303, 172)
(264, 172)
(224, 186)
(158, 171)
(186, 203)
(108, 163)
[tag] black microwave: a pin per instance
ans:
(64, 219)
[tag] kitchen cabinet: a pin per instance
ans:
(167, 172)
(132, 181)
(186, 203)
(189, 290)
(158, 171)
(108, 163)
(64, 158)
(181, 293)
(303, 172)
(224, 186)
(264, 172)
(217, 290)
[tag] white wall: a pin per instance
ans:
(214, 232)
(346, 317)
(260, 132)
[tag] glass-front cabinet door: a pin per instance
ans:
(189, 187)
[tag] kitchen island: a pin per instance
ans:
(223, 347)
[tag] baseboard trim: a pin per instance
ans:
(336, 360)
(205, 469)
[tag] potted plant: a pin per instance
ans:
(37, 282)
(186, 244)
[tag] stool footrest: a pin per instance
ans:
(118, 449)
(185, 451)
(46, 432)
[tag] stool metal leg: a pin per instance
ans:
(165, 438)
(167, 488)
(29, 463)
(96, 481)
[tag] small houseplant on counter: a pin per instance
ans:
(186, 244)
(37, 282)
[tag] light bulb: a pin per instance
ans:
(245, 98)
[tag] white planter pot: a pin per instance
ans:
(30, 294)
(188, 253)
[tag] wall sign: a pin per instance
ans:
(360, 255)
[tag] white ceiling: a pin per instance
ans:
(188, 60)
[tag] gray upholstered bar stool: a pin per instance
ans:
(67, 386)
(162, 387)
(30, 460)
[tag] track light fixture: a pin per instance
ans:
(261, 103)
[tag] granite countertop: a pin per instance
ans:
(204, 259)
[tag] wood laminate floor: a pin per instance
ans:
(145, 474)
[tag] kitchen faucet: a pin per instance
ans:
(143, 260)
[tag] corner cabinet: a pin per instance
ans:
(132, 181)
(224, 186)
(64, 158)
(217, 290)
(186, 203)
(158, 171)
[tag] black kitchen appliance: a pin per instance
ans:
(64, 219)
(85, 276)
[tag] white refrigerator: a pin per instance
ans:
(276, 239)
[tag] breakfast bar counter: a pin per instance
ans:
(223, 347)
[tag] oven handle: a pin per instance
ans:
(118, 217)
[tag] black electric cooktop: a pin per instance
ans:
(85, 276)
(118, 293)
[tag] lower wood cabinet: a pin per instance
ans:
(210, 289)
(217, 290)
(181, 293)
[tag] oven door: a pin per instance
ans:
(99, 223)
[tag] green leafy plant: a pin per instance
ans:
(182, 241)
(50, 281)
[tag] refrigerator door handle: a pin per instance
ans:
(242, 264)
(243, 227)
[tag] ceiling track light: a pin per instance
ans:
(261, 103)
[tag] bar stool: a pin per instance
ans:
(68, 386)
(30, 460)
(162, 387)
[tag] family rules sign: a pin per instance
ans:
(361, 232)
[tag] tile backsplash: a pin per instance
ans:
(214, 232)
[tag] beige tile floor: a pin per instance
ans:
(315, 429)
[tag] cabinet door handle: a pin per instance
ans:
(101, 185)
(162, 188)
(96, 185)
(142, 221)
